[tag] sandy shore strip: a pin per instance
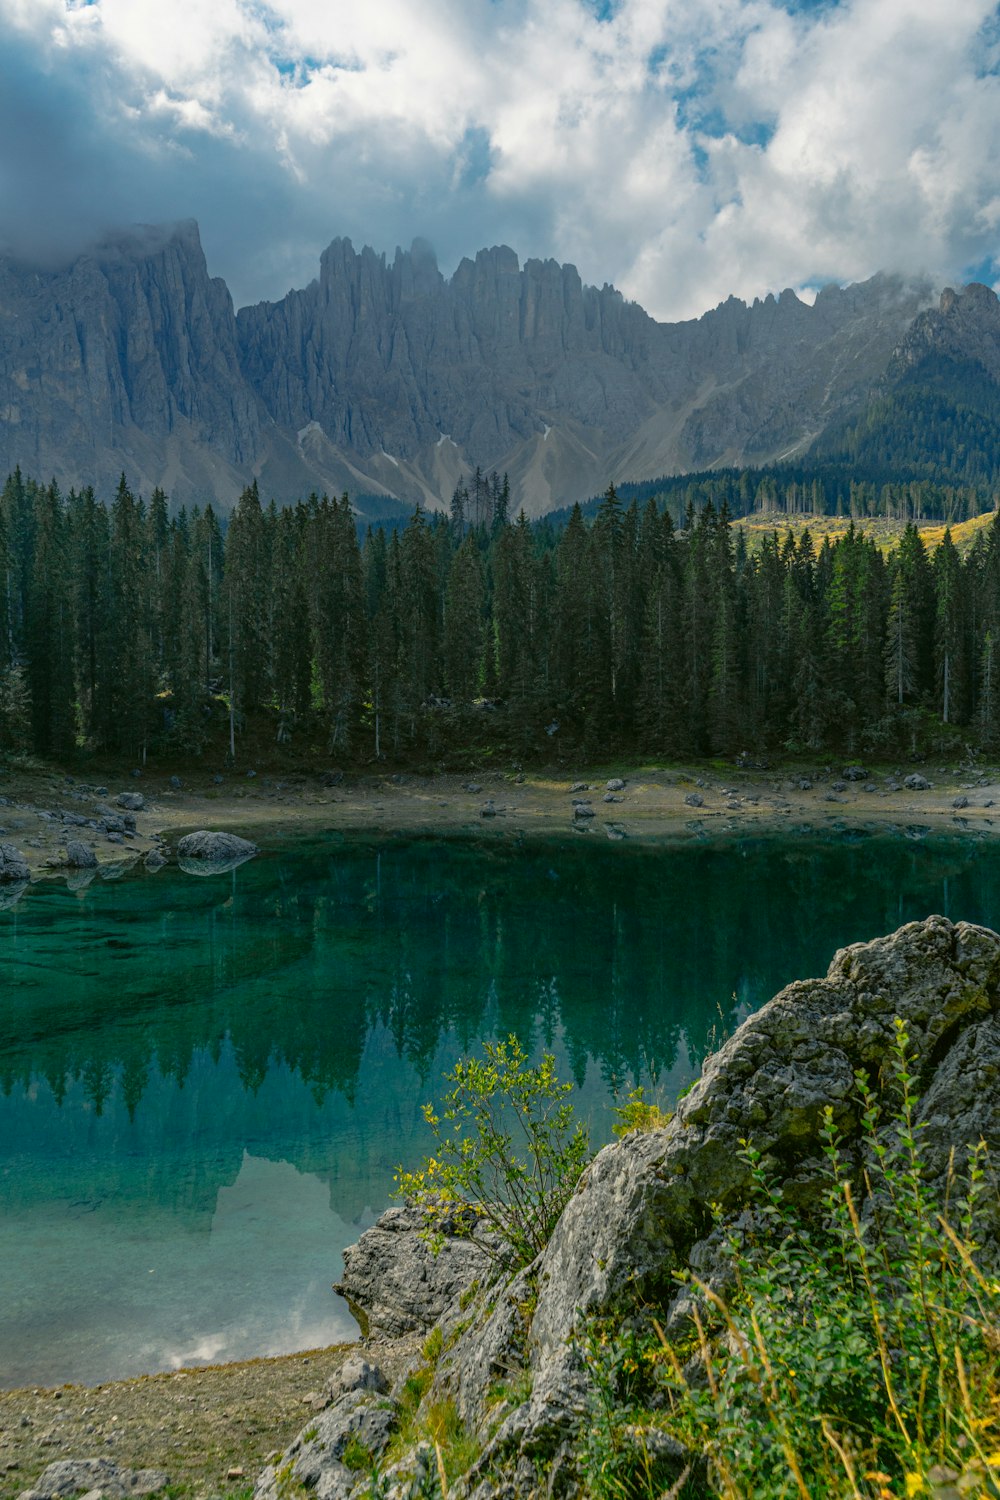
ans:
(40, 812)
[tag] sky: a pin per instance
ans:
(684, 150)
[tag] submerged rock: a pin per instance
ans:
(11, 893)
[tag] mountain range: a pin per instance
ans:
(388, 379)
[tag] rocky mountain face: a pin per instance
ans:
(936, 409)
(127, 359)
(386, 377)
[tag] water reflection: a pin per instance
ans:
(186, 1064)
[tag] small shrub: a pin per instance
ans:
(513, 1156)
(433, 1344)
(638, 1113)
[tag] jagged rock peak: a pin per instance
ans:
(964, 326)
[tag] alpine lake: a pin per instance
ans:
(206, 1084)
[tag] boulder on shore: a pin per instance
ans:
(208, 853)
(80, 856)
(13, 865)
(396, 1282)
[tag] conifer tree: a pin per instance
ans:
(130, 627)
(338, 622)
(950, 633)
(464, 622)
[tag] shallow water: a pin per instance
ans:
(206, 1083)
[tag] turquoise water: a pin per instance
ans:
(206, 1083)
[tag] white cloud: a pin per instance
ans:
(685, 149)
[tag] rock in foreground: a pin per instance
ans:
(645, 1209)
(395, 1283)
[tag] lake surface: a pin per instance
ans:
(206, 1083)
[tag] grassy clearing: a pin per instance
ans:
(886, 533)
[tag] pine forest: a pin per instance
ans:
(130, 631)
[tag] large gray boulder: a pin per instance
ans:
(13, 865)
(80, 856)
(643, 1209)
(207, 852)
(643, 1202)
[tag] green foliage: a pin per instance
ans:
(356, 1456)
(508, 1154)
(621, 1455)
(857, 1356)
(433, 1344)
(639, 1113)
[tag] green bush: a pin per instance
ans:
(639, 1113)
(509, 1150)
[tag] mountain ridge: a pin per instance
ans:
(385, 376)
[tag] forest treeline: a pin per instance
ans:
(125, 629)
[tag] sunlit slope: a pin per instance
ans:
(885, 532)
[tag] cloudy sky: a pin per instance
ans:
(683, 149)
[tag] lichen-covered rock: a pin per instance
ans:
(645, 1200)
(132, 801)
(394, 1281)
(13, 865)
(362, 1418)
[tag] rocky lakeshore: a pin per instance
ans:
(504, 1355)
(59, 826)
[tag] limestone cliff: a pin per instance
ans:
(385, 376)
(126, 360)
